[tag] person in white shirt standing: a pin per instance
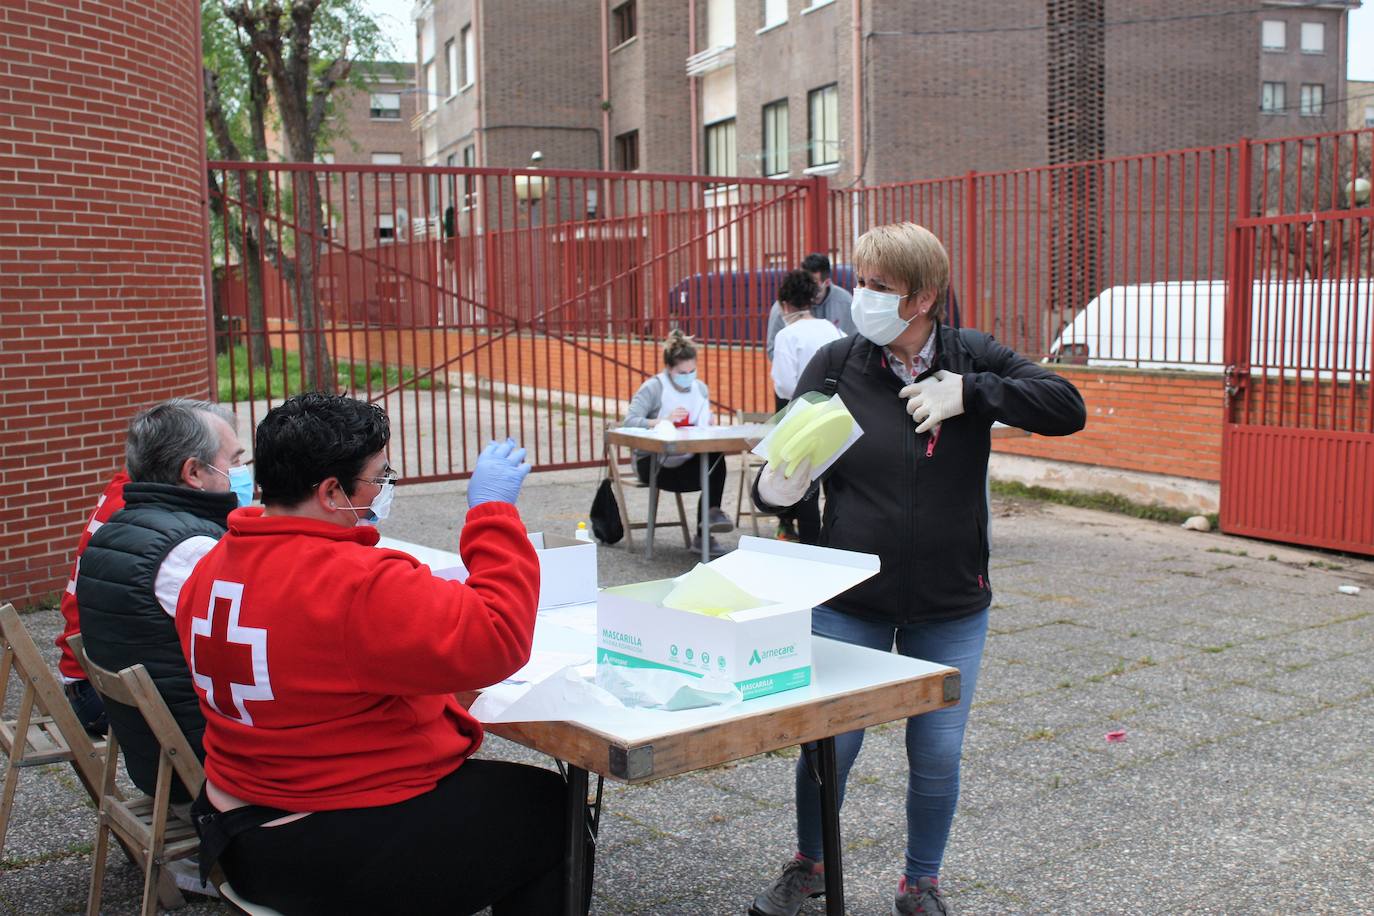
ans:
(801, 336)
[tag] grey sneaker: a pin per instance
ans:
(801, 879)
(716, 548)
(925, 898)
(720, 522)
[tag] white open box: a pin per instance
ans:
(567, 567)
(763, 650)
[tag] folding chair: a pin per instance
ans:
(54, 734)
(748, 464)
(141, 823)
(620, 465)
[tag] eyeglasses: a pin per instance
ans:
(389, 475)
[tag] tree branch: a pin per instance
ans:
(214, 117)
(332, 76)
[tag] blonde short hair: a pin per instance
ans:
(909, 254)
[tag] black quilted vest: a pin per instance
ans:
(122, 623)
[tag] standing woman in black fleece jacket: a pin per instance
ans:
(911, 490)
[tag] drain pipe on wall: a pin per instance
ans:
(857, 79)
(692, 86)
(605, 84)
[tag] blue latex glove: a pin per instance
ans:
(500, 472)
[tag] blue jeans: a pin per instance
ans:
(934, 741)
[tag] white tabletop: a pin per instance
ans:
(837, 669)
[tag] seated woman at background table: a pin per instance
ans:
(677, 395)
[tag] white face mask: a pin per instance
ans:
(380, 508)
(876, 315)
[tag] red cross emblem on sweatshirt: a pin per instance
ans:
(228, 660)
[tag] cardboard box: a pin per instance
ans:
(763, 650)
(567, 567)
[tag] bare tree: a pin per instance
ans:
(289, 59)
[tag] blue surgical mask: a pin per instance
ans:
(876, 315)
(240, 482)
(684, 380)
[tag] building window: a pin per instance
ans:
(774, 12)
(1369, 116)
(1272, 98)
(324, 158)
(627, 152)
(775, 138)
(720, 148)
(1313, 40)
(623, 24)
(385, 106)
(1310, 104)
(431, 86)
(823, 127)
(386, 158)
(451, 64)
(469, 56)
(386, 226)
(1273, 35)
(469, 180)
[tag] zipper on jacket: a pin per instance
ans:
(908, 576)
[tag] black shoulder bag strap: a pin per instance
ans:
(835, 368)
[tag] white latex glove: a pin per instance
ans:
(934, 399)
(778, 490)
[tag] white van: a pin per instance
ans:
(1298, 327)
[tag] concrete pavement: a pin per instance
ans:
(1239, 674)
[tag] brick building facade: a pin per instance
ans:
(947, 86)
(102, 256)
(374, 127)
(1302, 67)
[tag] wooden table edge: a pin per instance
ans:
(673, 753)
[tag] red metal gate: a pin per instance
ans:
(1298, 442)
(480, 303)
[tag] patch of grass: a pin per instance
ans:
(54, 855)
(1064, 685)
(1100, 500)
(1216, 650)
(284, 378)
(1040, 734)
(1322, 564)
(1230, 553)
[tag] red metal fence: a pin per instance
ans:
(1119, 261)
(477, 302)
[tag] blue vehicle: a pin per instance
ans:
(731, 307)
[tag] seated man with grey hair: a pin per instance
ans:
(185, 467)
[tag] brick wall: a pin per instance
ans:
(1158, 422)
(102, 244)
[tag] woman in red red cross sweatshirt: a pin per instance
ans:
(338, 777)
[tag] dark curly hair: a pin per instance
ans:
(312, 436)
(798, 290)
